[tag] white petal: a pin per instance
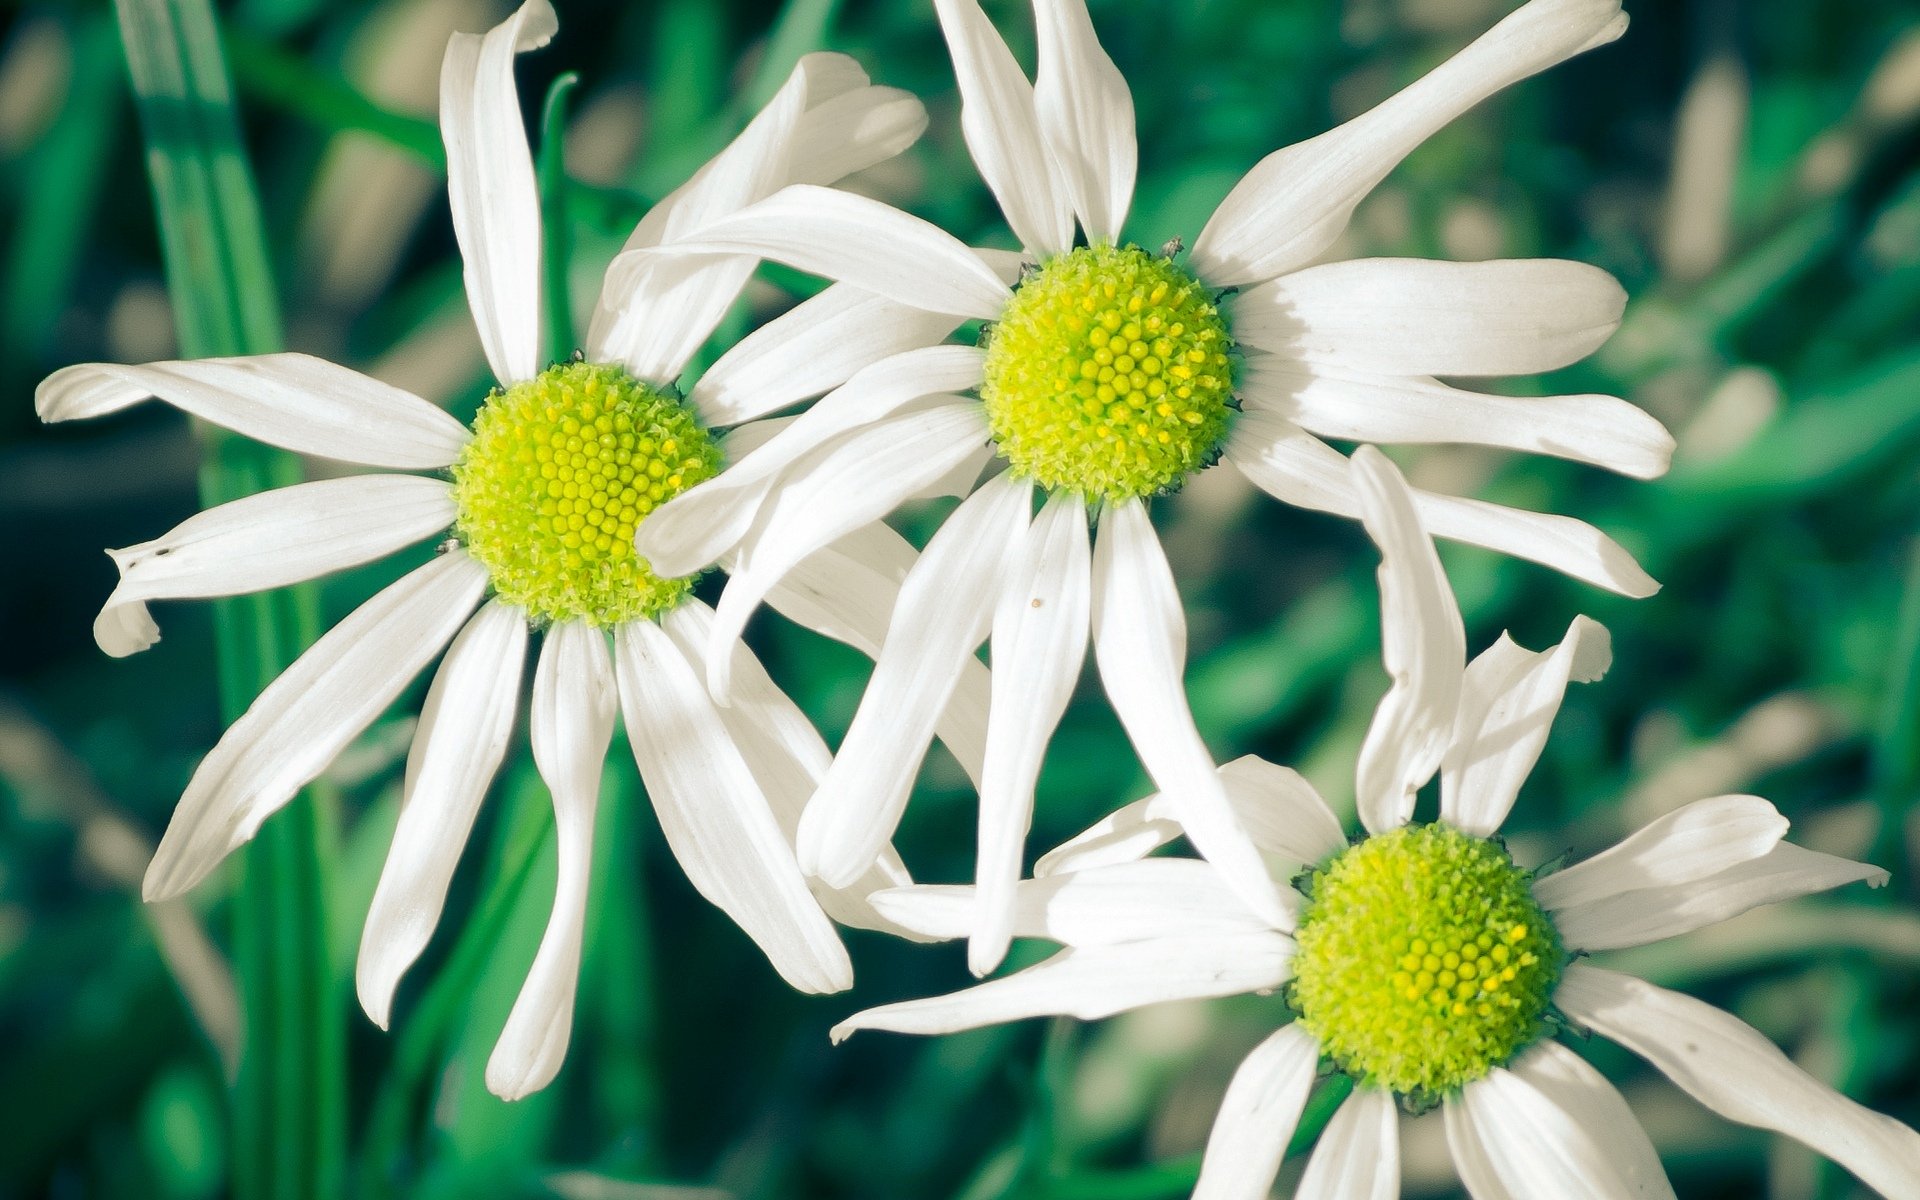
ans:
(1297, 468)
(306, 716)
(814, 347)
(944, 609)
(1358, 1155)
(490, 184)
(855, 240)
(852, 483)
(1039, 646)
(293, 401)
(462, 737)
(1507, 705)
(714, 815)
(1127, 902)
(265, 541)
(694, 529)
(1140, 642)
(1470, 1161)
(1086, 113)
(1002, 129)
(1423, 644)
(1553, 1126)
(1363, 406)
(1690, 844)
(1257, 1117)
(1095, 982)
(852, 131)
(572, 725)
(1653, 914)
(1294, 204)
(1411, 316)
(1728, 1066)
(656, 310)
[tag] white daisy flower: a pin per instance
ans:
(1108, 375)
(1422, 961)
(543, 495)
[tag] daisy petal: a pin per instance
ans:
(1423, 644)
(1363, 406)
(1410, 316)
(265, 541)
(1039, 646)
(1731, 1068)
(1095, 982)
(1691, 844)
(944, 609)
(1507, 705)
(1126, 902)
(462, 737)
(998, 118)
(1297, 200)
(1140, 643)
(293, 401)
(490, 184)
(1553, 1126)
(1654, 914)
(1470, 1160)
(811, 349)
(1257, 1117)
(572, 725)
(1358, 1155)
(309, 714)
(852, 131)
(855, 240)
(1086, 114)
(1297, 468)
(714, 815)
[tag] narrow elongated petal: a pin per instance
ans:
(1365, 406)
(265, 541)
(462, 737)
(1423, 644)
(1786, 872)
(811, 349)
(293, 401)
(1096, 982)
(1358, 1155)
(714, 815)
(496, 206)
(1470, 1160)
(853, 131)
(1507, 704)
(1257, 1117)
(1280, 810)
(1086, 114)
(1552, 1126)
(1731, 1068)
(1002, 129)
(1292, 206)
(1039, 646)
(855, 240)
(309, 714)
(572, 725)
(942, 615)
(1297, 468)
(1126, 902)
(1140, 642)
(1684, 846)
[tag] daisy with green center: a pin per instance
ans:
(1421, 960)
(1108, 375)
(543, 497)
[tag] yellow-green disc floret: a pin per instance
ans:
(560, 471)
(1424, 960)
(1109, 374)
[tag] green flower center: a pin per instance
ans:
(1108, 375)
(1424, 960)
(559, 474)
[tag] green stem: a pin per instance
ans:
(556, 256)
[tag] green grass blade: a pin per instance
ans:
(556, 218)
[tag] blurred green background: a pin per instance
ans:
(1750, 172)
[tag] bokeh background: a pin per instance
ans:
(1751, 172)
